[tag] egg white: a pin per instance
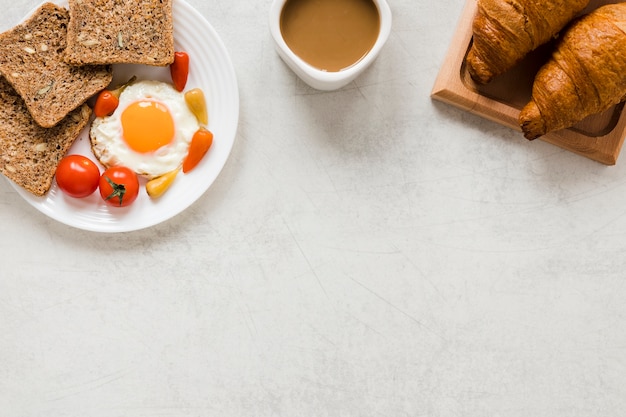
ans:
(109, 146)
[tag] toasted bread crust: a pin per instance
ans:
(120, 32)
(29, 153)
(31, 59)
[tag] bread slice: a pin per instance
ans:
(120, 32)
(31, 59)
(29, 153)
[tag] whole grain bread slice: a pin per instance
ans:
(120, 32)
(29, 153)
(31, 59)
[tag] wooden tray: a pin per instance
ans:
(598, 137)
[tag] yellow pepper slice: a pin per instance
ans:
(197, 104)
(157, 186)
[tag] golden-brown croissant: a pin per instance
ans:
(505, 31)
(585, 75)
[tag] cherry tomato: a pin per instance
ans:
(119, 186)
(179, 70)
(77, 176)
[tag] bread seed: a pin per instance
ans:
(90, 42)
(44, 90)
(44, 47)
(40, 147)
(29, 50)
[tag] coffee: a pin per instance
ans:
(331, 35)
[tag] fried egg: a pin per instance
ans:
(149, 132)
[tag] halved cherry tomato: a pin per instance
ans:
(179, 70)
(119, 186)
(200, 144)
(108, 100)
(77, 176)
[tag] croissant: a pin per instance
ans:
(505, 31)
(585, 75)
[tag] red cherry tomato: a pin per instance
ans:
(77, 176)
(119, 186)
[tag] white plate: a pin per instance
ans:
(211, 70)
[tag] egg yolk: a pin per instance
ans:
(147, 125)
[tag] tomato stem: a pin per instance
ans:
(118, 190)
